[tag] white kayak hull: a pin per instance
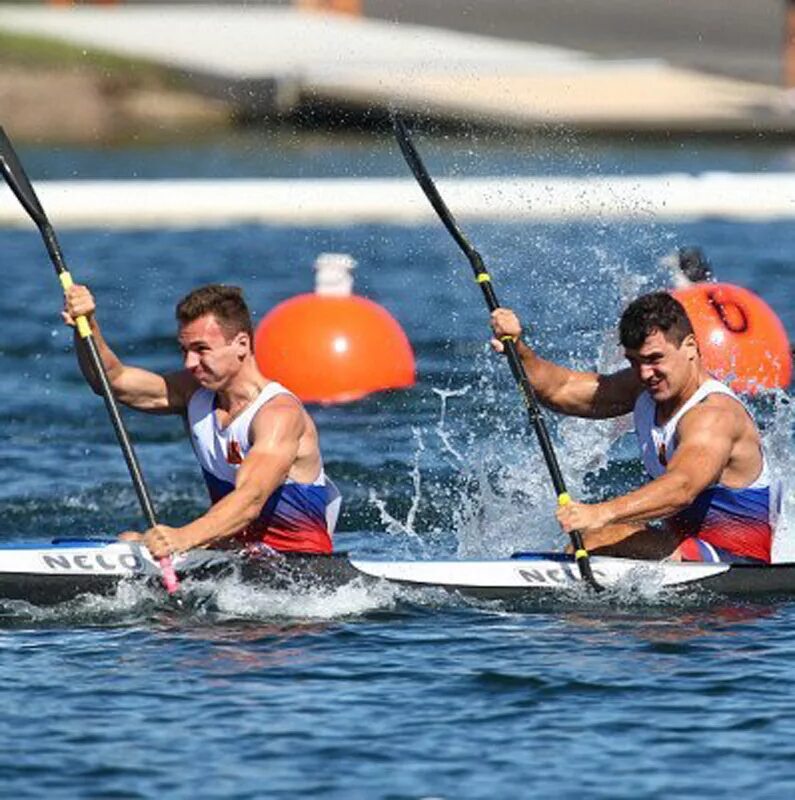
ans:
(62, 570)
(535, 571)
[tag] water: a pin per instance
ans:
(377, 693)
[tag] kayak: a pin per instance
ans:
(536, 574)
(68, 568)
(64, 569)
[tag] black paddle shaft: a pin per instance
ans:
(483, 278)
(20, 185)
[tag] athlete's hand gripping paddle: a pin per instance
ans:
(20, 185)
(483, 278)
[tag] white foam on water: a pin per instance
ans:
(233, 597)
(130, 599)
(228, 596)
(641, 587)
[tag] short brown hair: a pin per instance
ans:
(654, 312)
(225, 303)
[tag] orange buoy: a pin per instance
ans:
(333, 346)
(739, 335)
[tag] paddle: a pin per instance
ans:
(20, 185)
(517, 368)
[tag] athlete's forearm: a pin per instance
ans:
(227, 517)
(233, 513)
(113, 366)
(660, 498)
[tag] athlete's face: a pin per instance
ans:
(663, 367)
(211, 356)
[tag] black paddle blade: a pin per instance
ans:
(427, 185)
(17, 180)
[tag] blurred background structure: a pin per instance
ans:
(96, 72)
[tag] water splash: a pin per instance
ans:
(442, 432)
(226, 597)
(390, 522)
(777, 437)
(235, 598)
(131, 602)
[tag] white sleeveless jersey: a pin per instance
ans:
(297, 516)
(220, 450)
(658, 442)
(724, 523)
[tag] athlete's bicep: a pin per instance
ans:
(180, 387)
(705, 442)
(275, 437)
(615, 394)
(154, 393)
(591, 394)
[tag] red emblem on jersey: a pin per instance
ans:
(233, 454)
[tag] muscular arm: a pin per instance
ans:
(276, 432)
(135, 387)
(580, 394)
(706, 438)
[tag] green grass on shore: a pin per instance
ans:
(36, 51)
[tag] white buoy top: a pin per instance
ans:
(334, 274)
(671, 263)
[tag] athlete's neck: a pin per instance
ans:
(242, 390)
(668, 408)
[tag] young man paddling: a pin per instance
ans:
(256, 444)
(709, 497)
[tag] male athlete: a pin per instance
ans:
(709, 497)
(256, 445)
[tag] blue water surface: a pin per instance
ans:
(363, 692)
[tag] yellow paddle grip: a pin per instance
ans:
(563, 500)
(83, 328)
(483, 277)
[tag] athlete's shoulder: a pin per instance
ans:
(283, 410)
(181, 387)
(718, 415)
(283, 400)
(724, 403)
